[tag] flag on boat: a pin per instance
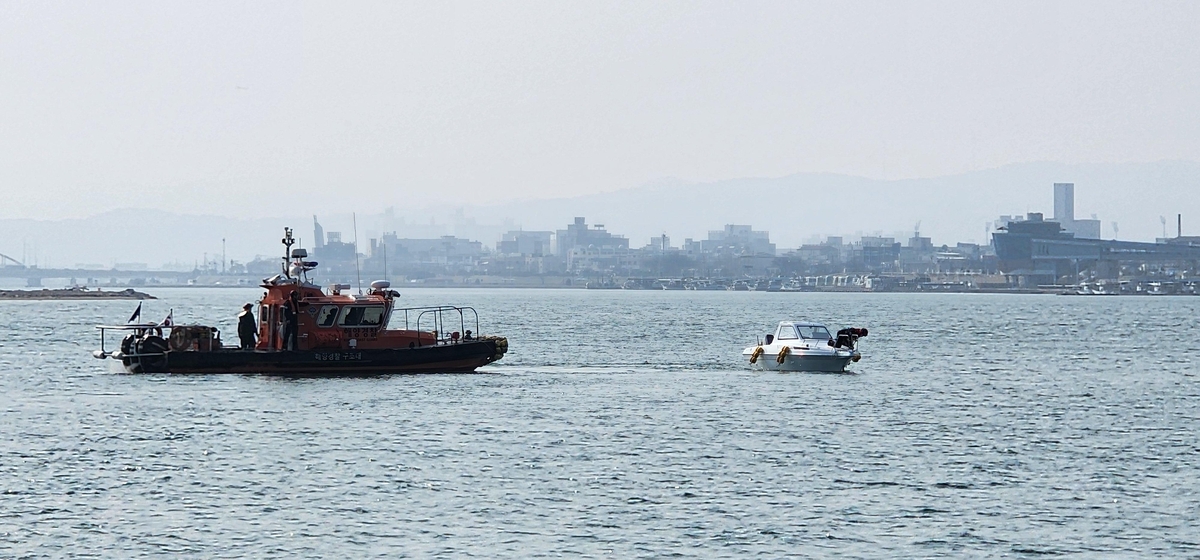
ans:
(170, 320)
(137, 314)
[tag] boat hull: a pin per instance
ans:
(448, 358)
(827, 363)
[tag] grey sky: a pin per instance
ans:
(246, 108)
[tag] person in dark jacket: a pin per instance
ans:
(291, 310)
(247, 326)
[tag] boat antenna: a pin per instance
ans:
(357, 269)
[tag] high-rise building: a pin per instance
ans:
(579, 235)
(738, 239)
(530, 243)
(1064, 213)
(318, 234)
(1064, 203)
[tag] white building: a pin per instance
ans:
(1064, 213)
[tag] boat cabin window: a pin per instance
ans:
(361, 316)
(786, 333)
(327, 316)
(816, 332)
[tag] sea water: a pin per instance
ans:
(623, 424)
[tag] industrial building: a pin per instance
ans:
(1034, 251)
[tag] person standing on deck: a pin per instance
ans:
(246, 327)
(290, 327)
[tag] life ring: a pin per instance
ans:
(783, 354)
(754, 355)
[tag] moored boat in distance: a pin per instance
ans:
(672, 283)
(802, 346)
(303, 330)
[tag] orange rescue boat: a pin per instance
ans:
(304, 330)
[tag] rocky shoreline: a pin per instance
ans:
(72, 293)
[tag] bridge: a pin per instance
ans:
(5, 260)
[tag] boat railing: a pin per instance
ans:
(138, 329)
(440, 321)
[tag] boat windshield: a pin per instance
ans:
(813, 331)
(365, 316)
(327, 316)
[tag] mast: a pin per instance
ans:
(287, 250)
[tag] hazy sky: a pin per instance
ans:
(255, 107)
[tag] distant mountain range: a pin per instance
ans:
(795, 209)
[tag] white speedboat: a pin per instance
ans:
(800, 346)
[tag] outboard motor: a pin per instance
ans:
(152, 351)
(127, 344)
(144, 353)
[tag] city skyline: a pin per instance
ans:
(503, 239)
(955, 209)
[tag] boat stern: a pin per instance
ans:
(498, 344)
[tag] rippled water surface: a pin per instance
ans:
(624, 424)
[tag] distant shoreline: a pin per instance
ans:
(815, 290)
(131, 294)
(71, 293)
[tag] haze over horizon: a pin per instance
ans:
(270, 108)
(959, 208)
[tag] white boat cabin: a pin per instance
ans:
(792, 330)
